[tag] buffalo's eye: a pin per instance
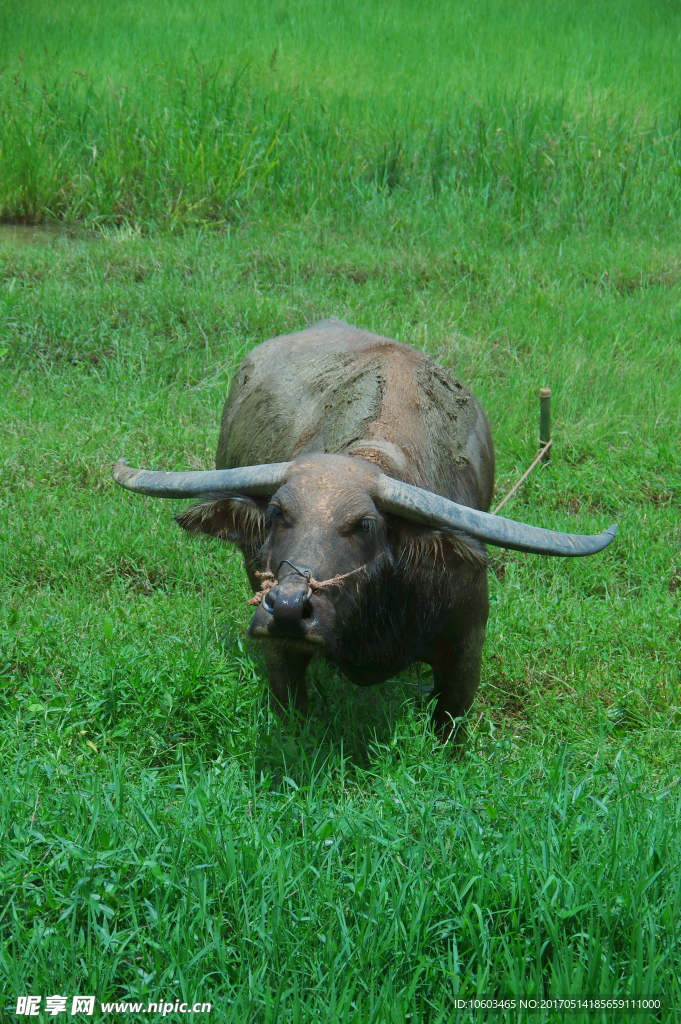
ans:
(366, 525)
(274, 514)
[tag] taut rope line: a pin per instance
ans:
(527, 472)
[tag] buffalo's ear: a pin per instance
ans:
(237, 518)
(423, 547)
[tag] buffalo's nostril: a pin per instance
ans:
(288, 607)
(267, 606)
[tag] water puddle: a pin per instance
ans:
(21, 235)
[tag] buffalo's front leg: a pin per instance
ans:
(455, 659)
(456, 677)
(286, 670)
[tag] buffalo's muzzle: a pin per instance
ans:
(289, 607)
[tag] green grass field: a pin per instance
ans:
(497, 184)
(189, 112)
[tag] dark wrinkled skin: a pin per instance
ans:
(420, 594)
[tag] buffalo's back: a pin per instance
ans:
(333, 388)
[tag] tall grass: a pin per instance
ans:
(205, 138)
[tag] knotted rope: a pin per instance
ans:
(268, 580)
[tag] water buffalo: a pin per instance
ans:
(355, 475)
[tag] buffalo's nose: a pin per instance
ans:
(288, 606)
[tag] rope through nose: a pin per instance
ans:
(305, 573)
(269, 580)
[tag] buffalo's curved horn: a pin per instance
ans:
(264, 479)
(433, 510)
